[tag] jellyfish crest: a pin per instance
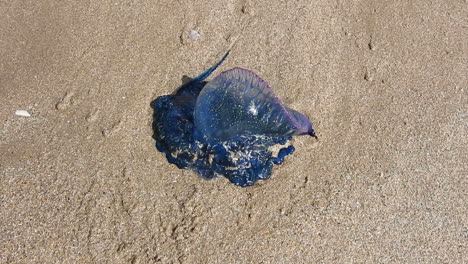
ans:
(208, 72)
(238, 101)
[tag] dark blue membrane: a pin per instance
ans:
(243, 159)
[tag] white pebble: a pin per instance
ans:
(22, 113)
(194, 35)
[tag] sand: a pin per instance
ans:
(384, 82)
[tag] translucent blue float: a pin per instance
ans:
(226, 127)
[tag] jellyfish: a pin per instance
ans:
(230, 126)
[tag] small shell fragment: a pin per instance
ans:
(22, 113)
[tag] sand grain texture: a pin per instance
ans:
(385, 83)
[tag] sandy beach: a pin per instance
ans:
(384, 82)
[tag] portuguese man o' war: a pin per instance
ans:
(227, 126)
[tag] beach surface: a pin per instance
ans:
(384, 82)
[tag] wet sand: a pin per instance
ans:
(385, 84)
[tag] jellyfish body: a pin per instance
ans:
(226, 127)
